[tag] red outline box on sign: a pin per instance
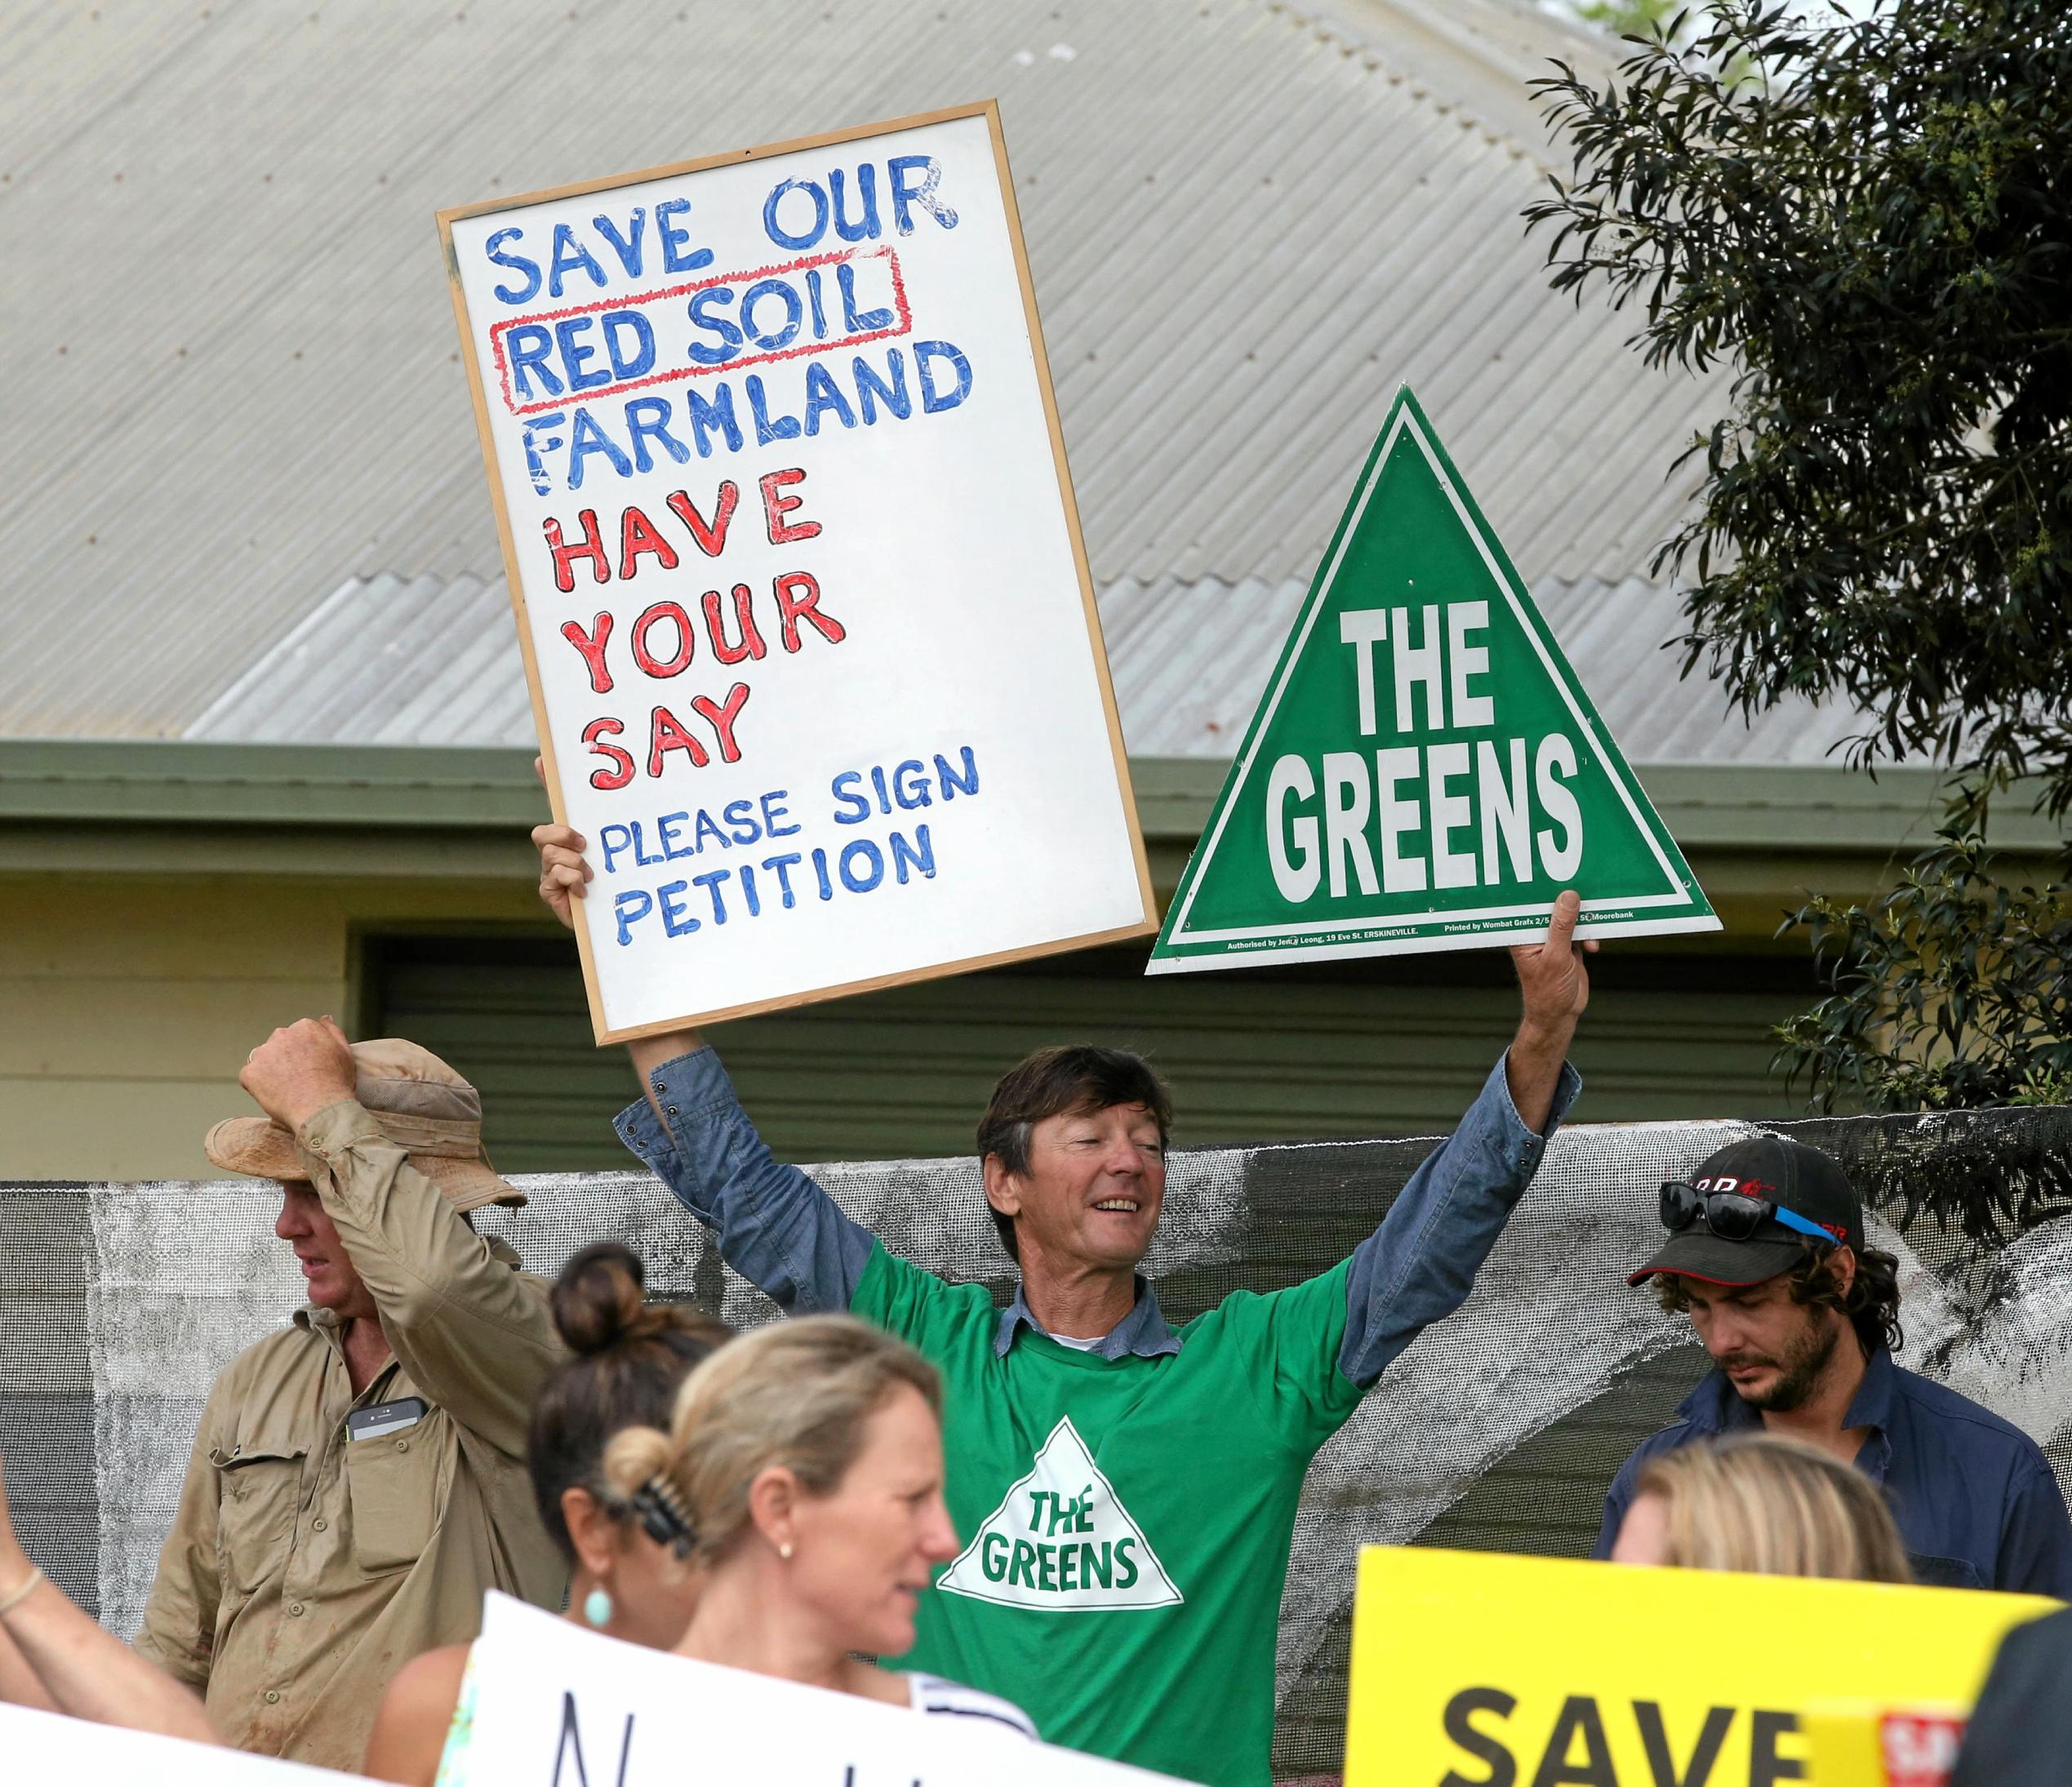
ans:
(497, 331)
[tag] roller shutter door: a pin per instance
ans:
(1388, 1048)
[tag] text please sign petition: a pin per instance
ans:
(786, 515)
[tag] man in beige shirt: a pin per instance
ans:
(359, 1477)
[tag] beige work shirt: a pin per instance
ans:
(304, 1568)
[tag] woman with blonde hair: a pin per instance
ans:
(803, 1476)
(799, 1488)
(1764, 1505)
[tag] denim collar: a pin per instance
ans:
(1712, 1407)
(1143, 1332)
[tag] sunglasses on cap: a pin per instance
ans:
(1733, 1215)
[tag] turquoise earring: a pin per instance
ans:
(597, 1609)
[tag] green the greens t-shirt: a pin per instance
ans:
(1126, 1522)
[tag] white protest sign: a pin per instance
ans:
(556, 1706)
(49, 1747)
(811, 639)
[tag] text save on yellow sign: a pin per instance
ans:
(1476, 1670)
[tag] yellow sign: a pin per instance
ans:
(1471, 1670)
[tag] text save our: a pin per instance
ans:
(1353, 821)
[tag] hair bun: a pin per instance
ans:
(599, 1300)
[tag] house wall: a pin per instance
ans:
(132, 1002)
(163, 907)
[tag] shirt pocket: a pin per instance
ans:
(260, 1487)
(1931, 1571)
(392, 1486)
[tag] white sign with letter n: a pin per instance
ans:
(49, 1747)
(556, 1706)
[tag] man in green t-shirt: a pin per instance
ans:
(1127, 1491)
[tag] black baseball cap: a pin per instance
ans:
(1790, 1174)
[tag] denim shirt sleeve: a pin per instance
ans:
(776, 1226)
(1420, 1265)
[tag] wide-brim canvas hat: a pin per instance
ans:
(418, 1103)
(1799, 1178)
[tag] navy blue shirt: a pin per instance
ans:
(1973, 1494)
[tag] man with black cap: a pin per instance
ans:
(1766, 1254)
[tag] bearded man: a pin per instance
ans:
(1766, 1255)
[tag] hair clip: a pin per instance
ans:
(663, 1517)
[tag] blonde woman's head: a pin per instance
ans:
(1764, 1505)
(812, 1450)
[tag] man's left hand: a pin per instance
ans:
(1551, 975)
(298, 1071)
(1555, 987)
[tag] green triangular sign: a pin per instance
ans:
(1425, 771)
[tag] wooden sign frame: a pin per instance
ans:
(988, 109)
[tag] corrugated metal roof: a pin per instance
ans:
(1189, 661)
(231, 362)
(382, 661)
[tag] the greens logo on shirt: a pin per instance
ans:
(1062, 1541)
